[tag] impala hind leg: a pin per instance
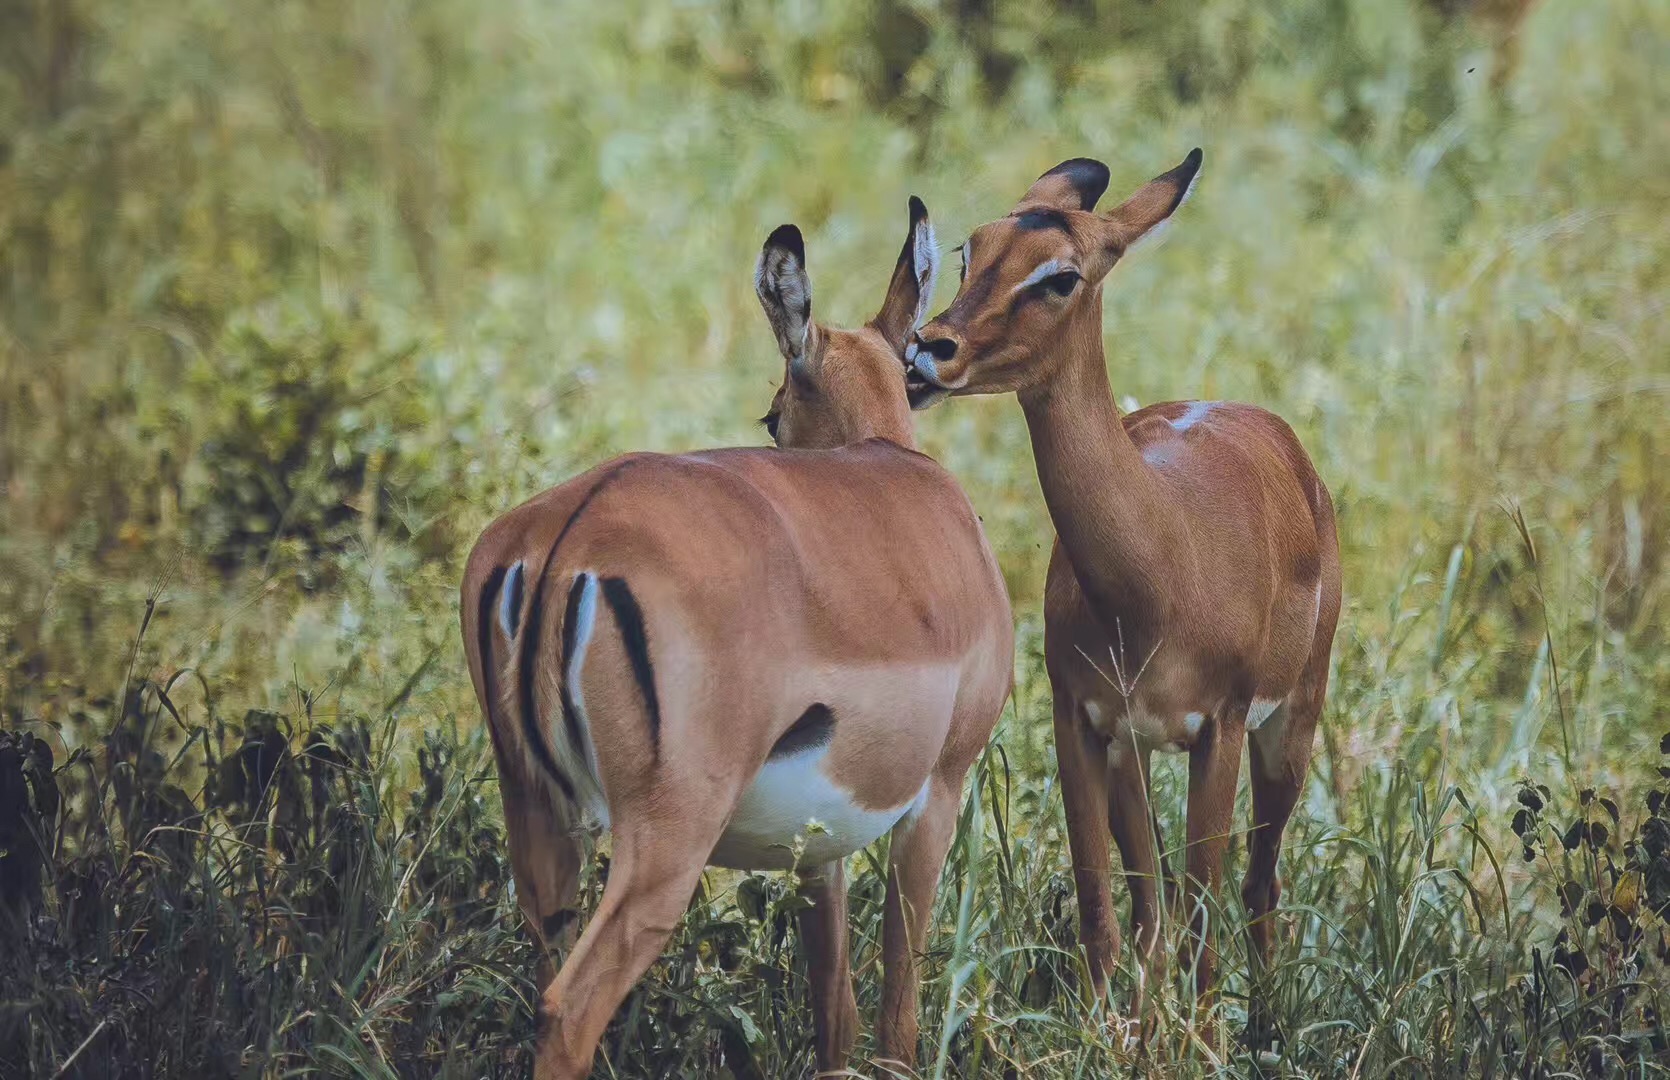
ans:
(915, 858)
(823, 935)
(1280, 762)
(1280, 754)
(545, 859)
(656, 866)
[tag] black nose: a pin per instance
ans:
(940, 348)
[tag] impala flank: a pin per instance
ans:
(1195, 581)
(755, 658)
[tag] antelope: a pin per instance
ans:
(1195, 579)
(750, 658)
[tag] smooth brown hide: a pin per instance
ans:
(677, 644)
(1195, 582)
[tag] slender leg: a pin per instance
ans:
(915, 859)
(545, 859)
(1278, 779)
(1160, 847)
(1082, 761)
(1131, 821)
(657, 864)
(1281, 751)
(823, 934)
(1214, 768)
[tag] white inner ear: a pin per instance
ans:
(785, 293)
(1049, 269)
(925, 260)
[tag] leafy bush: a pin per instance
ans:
(311, 439)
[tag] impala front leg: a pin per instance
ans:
(1214, 768)
(1084, 793)
(823, 935)
(915, 859)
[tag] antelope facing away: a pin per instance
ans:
(1195, 579)
(708, 653)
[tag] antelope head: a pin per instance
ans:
(1033, 278)
(842, 386)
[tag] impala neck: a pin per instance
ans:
(890, 421)
(1117, 526)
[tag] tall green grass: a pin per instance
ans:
(294, 298)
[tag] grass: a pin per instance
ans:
(294, 300)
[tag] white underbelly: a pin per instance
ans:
(1134, 730)
(794, 815)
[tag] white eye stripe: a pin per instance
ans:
(1048, 270)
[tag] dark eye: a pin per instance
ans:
(1061, 284)
(770, 420)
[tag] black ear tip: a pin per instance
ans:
(1079, 167)
(1194, 159)
(789, 239)
(1088, 176)
(918, 211)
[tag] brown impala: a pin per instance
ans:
(1195, 581)
(750, 658)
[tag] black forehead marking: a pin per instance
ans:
(1036, 220)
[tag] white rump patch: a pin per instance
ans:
(792, 809)
(577, 764)
(510, 600)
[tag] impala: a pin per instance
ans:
(1195, 580)
(750, 658)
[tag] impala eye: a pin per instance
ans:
(1061, 284)
(770, 420)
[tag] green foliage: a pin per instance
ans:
(304, 434)
(295, 297)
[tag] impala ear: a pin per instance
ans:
(912, 287)
(1074, 184)
(785, 291)
(1142, 214)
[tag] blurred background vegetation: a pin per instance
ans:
(294, 297)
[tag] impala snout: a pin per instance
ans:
(930, 373)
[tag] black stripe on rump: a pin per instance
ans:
(484, 629)
(484, 634)
(633, 635)
(815, 728)
(528, 697)
(571, 715)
